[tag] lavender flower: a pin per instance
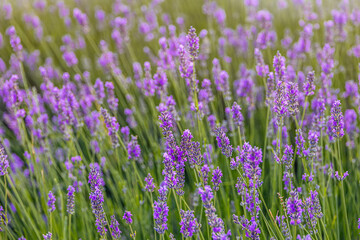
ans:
(161, 209)
(97, 200)
(339, 177)
(251, 157)
(166, 124)
(95, 178)
(51, 202)
(133, 148)
(216, 223)
(112, 100)
(190, 149)
(148, 82)
(15, 42)
(206, 195)
(300, 143)
(128, 217)
(150, 186)
(193, 43)
(188, 223)
(351, 126)
(313, 142)
(261, 68)
(47, 236)
(204, 173)
(292, 95)
(3, 219)
(223, 142)
(294, 208)
(216, 179)
(284, 227)
(161, 212)
(309, 85)
(114, 225)
(186, 141)
(71, 200)
(251, 227)
(286, 160)
(237, 115)
(185, 65)
(81, 18)
(313, 211)
(280, 107)
(4, 163)
(279, 67)
(336, 121)
(112, 126)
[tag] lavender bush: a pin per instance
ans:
(159, 119)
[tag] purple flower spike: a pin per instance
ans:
(193, 43)
(223, 142)
(97, 200)
(294, 208)
(128, 217)
(47, 236)
(237, 115)
(114, 225)
(150, 186)
(51, 202)
(71, 200)
(300, 143)
(133, 149)
(216, 223)
(188, 223)
(216, 179)
(279, 67)
(341, 178)
(161, 212)
(336, 121)
(161, 209)
(112, 126)
(4, 163)
(309, 85)
(261, 68)
(3, 219)
(313, 209)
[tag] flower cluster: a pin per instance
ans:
(161, 210)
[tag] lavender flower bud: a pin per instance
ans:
(3, 219)
(97, 200)
(47, 236)
(216, 179)
(336, 122)
(223, 142)
(114, 225)
(112, 126)
(294, 208)
(188, 223)
(133, 149)
(309, 85)
(51, 202)
(150, 186)
(4, 163)
(71, 200)
(193, 43)
(128, 217)
(300, 143)
(313, 211)
(279, 67)
(237, 115)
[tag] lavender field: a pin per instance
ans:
(179, 119)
